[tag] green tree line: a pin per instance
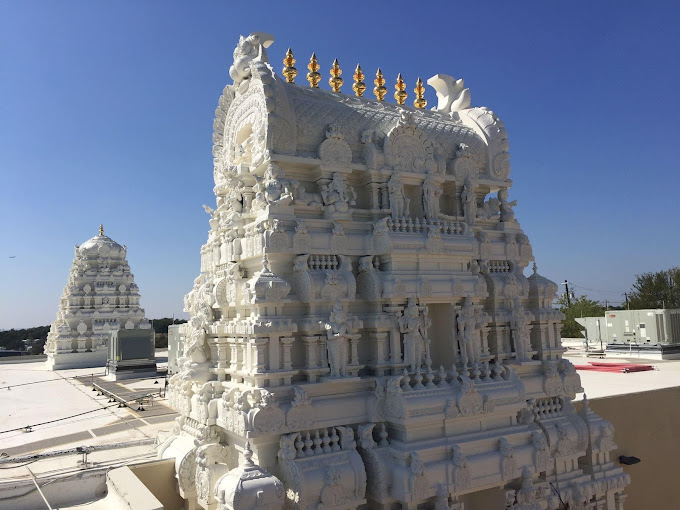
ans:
(660, 289)
(13, 339)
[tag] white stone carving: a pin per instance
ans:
(451, 93)
(337, 196)
(100, 296)
(354, 246)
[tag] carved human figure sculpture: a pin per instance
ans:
(469, 349)
(337, 332)
(432, 190)
(414, 344)
(399, 204)
(520, 330)
(507, 214)
(469, 200)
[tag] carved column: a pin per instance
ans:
(354, 349)
(310, 347)
(484, 332)
(247, 200)
(259, 362)
(384, 197)
(375, 195)
(286, 345)
(395, 345)
(242, 353)
(379, 339)
(323, 351)
(222, 345)
(453, 313)
(233, 354)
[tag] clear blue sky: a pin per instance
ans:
(106, 113)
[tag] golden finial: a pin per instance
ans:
(288, 70)
(101, 230)
(420, 101)
(359, 86)
(401, 94)
(313, 76)
(380, 90)
(335, 81)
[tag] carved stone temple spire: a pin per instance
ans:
(354, 245)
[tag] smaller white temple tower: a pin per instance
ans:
(100, 296)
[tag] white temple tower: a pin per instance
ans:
(362, 333)
(100, 296)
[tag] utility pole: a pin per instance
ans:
(627, 303)
(566, 284)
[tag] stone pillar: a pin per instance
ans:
(247, 200)
(233, 354)
(375, 195)
(395, 345)
(323, 351)
(259, 363)
(485, 340)
(379, 339)
(222, 345)
(453, 313)
(354, 349)
(310, 347)
(385, 196)
(286, 345)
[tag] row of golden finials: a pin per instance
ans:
(359, 87)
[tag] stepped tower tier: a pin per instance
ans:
(100, 297)
(362, 331)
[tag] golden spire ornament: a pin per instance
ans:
(335, 81)
(380, 90)
(401, 94)
(313, 76)
(359, 86)
(288, 70)
(101, 229)
(420, 101)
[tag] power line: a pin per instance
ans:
(620, 293)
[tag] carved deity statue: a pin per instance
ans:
(432, 190)
(399, 204)
(249, 49)
(337, 195)
(410, 324)
(466, 332)
(272, 189)
(520, 330)
(490, 209)
(507, 214)
(469, 200)
(337, 332)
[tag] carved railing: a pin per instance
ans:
(323, 262)
(499, 266)
(544, 408)
(429, 379)
(418, 226)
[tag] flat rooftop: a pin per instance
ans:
(30, 396)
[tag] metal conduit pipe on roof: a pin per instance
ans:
(75, 451)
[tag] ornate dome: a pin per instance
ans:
(101, 245)
(540, 286)
(248, 487)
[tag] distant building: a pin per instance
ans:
(100, 297)
(652, 333)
